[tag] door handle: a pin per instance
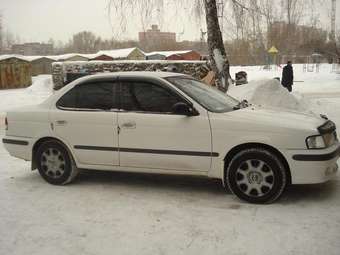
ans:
(130, 124)
(61, 122)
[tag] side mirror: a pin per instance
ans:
(183, 109)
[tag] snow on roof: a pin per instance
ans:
(33, 58)
(118, 53)
(99, 62)
(90, 55)
(168, 53)
(115, 54)
(8, 56)
(68, 55)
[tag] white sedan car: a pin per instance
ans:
(157, 122)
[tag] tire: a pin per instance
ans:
(55, 164)
(256, 176)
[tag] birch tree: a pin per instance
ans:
(218, 57)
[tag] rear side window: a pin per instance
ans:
(147, 97)
(90, 96)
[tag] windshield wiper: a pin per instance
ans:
(242, 104)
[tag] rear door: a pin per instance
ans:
(86, 118)
(151, 136)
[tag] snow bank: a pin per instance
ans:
(41, 84)
(35, 94)
(270, 93)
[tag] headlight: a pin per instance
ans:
(315, 142)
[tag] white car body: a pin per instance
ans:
(172, 144)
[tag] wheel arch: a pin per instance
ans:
(42, 140)
(232, 152)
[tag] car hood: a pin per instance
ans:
(277, 118)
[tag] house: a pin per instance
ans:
(15, 72)
(120, 54)
(154, 38)
(32, 49)
(174, 55)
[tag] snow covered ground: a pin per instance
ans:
(121, 213)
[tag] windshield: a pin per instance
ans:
(210, 98)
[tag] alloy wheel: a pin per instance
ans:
(254, 178)
(53, 163)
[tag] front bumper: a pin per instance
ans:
(313, 166)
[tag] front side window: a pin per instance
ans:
(147, 97)
(209, 98)
(90, 96)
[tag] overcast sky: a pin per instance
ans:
(39, 20)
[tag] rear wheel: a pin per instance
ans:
(256, 175)
(55, 164)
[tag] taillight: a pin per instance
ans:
(6, 123)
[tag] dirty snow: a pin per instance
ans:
(121, 213)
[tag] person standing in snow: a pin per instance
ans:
(287, 76)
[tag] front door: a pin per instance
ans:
(151, 136)
(85, 120)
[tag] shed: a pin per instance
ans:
(15, 72)
(121, 54)
(185, 55)
(41, 64)
(71, 57)
(102, 57)
(155, 56)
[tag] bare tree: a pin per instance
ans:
(147, 8)
(337, 43)
(8, 40)
(84, 42)
(1, 34)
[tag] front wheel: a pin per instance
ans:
(256, 175)
(55, 164)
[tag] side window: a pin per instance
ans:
(69, 99)
(147, 97)
(93, 96)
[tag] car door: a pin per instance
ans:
(151, 136)
(86, 119)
